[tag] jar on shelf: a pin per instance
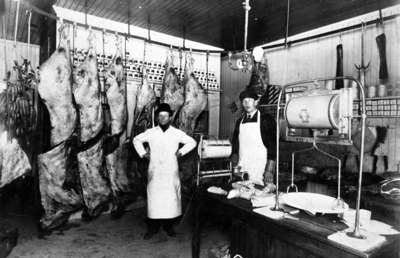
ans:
(371, 91)
(382, 90)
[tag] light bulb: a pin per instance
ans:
(258, 54)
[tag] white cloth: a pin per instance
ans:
(252, 151)
(163, 188)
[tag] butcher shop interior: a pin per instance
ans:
(213, 129)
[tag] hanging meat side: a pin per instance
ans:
(55, 90)
(117, 167)
(259, 79)
(87, 96)
(115, 91)
(172, 90)
(195, 99)
(58, 202)
(339, 66)
(145, 101)
(14, 163)
(96, 192)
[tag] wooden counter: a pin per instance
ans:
(254, 235)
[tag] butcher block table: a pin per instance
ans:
(256, 236)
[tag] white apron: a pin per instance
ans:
(252, 151)
(163, 187)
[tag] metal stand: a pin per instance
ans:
(356, 233)
(339, 202)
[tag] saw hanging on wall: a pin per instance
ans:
(381, 42)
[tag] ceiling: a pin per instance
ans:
(215, 22)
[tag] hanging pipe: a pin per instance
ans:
(287, 23)
(246, 7)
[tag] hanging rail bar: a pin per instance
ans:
(336, 31)
(54, 17)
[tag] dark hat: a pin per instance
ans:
(164, 107)
(248, 93)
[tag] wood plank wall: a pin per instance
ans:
(317, 58)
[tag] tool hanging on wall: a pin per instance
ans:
(381, 42)
(339, 64)
(362, 68)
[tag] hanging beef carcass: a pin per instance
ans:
(115, 91)
(145, 101)
(58, 202)
(55, 90)
(116, 156)
(14, 163)
(87, 95)
(195, 99)
(95, 189)
(172, 90)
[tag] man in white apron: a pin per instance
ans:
(254, 141)
(163, 186)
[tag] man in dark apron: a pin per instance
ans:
(254, 141)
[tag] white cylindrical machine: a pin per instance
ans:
(316, 111)
(212, 148)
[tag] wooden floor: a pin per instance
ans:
(109, 238)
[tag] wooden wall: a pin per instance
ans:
(232, 82)
(317, 58)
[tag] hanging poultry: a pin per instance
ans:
(55, 90)
(172, 90)
(195, 98)
(87, 95)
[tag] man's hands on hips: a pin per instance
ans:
(178, 154)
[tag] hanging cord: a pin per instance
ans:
(5, 72)
(29, 33)
(208, 102)
(5, 47)
(16, 30)
(86, 13)
(180, 64)
(103, 86)
(125, 81)
(74, 33)
(286, 43)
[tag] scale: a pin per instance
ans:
(310, 105)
